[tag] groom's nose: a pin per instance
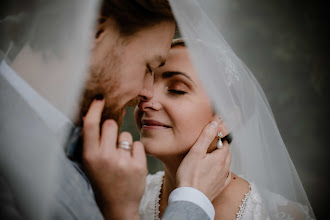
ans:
(147, 91)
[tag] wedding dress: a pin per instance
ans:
(251, 208)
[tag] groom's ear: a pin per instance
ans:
(99, 32)
(100, 27)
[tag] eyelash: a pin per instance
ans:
(177, 92)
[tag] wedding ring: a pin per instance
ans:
(125, 145)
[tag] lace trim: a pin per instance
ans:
(157, 199)
(240, 213)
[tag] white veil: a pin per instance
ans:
(258, 151)
(44, 48)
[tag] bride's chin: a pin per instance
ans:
(157, 153)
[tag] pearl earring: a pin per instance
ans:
(219, 144)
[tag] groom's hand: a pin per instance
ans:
(207, 172)
(117, 175)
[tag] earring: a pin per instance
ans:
(219, 144)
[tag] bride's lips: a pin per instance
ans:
(152, 124)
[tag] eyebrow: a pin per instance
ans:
(169, 74)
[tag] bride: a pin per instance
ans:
(170, 123)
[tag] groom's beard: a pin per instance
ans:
(103, 81)
(105, 86)
(111, 109)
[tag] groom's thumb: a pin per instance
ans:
(205, 139)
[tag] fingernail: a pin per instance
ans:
(99, 97)
(214, 124)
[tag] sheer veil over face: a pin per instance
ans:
(258, 151)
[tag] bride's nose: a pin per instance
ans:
(150, 104)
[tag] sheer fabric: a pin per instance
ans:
(47, 44)
(258, 151)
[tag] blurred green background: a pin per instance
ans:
(286, 45)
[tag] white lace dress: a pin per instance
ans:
(252, 206)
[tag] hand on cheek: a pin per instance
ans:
(206, 172)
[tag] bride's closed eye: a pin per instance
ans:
(177, 92)
(177, 88)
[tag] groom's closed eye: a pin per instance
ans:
(148, 69)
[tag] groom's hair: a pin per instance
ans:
(132, 16)
(32, 17)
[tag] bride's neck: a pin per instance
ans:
(171, 165)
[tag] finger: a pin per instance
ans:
(139, 152)
(224, 128)
(127, 137)
(205, 138)
(228, 160)
(227, 180)
(227, 169)
(91, 125)
(220, 155)
(227, 163)
(217, 118)
(109, 136)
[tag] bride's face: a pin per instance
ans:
(173, 119)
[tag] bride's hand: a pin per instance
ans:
(207, 172)
(117, 175)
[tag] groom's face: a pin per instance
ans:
(122, 67)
